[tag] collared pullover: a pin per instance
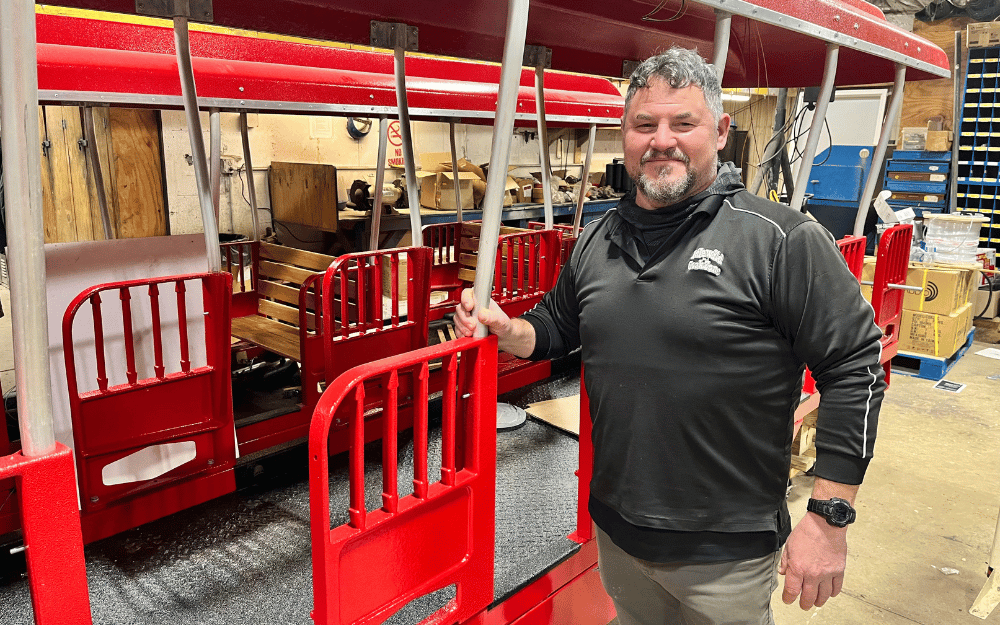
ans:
(693, 360)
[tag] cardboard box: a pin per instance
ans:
(945, 289)
(436, 180)
(983, 34)
(934, 335)
(938, 141)
(913, 138)
(524, 186)
(400, 278)
(437, 189)
(983, 305)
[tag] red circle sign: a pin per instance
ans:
(395, 137)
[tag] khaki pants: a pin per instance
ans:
(692, 593)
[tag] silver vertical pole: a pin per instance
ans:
(383, 135)
(215, 156)
(723, 25)
(956, 123)
(543, 145)
(503, 132)
(245, 134)
(454, 170)
(25, 227)
(874, 174)
(816, 128)
(94, 159)
(211, 226)
(412, 196)
(584, 182)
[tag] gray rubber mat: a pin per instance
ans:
(245, 558)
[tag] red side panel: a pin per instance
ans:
(442, 534)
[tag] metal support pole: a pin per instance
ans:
(245, 134)
(543, 146)
(412, 197)
(776, 143)
(503, 132)
(383, 135)
(454, 170)
(874, 174)
(215, 156)
(578, 215)
(25, 240)
(956, 123)
(211, 226)
(94, 160)
(723, 24)
(816, 129)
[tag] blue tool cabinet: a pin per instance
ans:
(918, 180)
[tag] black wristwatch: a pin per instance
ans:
(837, 512)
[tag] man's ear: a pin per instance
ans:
(724, 122)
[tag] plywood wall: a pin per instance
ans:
(128, 146)
(927, 98)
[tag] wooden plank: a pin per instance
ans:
(88, 218)
(282, 293)
(472, 229)
(138, 173)
(926, 98)
(272, 335)
(304, 193)
(105, 152)
(50, 215)
(62, 182)
(288, 314)
(294, 256)
(467, 275)
(288, 273)
(468, 260)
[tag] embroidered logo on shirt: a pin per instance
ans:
(706, 260)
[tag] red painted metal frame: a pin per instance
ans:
(81, 55)
(891, 266)
(594, 37)
(46, 487)
(443, 533)
(177, 404)
(568, 240)
(853, 249)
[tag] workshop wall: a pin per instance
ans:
(314, 139)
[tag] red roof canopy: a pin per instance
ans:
(775, 43)
(93, 60)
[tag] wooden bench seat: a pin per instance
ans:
(287, 278)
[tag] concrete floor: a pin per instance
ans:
(930, 502)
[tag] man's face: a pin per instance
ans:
(671, 143)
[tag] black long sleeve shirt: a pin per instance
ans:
(693, 360)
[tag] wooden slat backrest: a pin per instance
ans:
(282, 272)
(292, 256)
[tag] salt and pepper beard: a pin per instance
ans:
(659, 191)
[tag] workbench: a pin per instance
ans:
(355, 225)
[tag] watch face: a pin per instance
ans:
(840, 513)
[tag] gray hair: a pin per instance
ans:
(680, 68)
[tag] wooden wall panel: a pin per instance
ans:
(128, 145)
(304, 193)
(926, 98)
(138, 173)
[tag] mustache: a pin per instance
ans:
(672, 153)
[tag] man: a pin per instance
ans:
(697, 305)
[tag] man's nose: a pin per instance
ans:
(663, 139)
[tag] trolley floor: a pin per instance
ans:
(245, 557)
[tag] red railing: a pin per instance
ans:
(167, 402)
(363, 315)
(853, 249)
(240, 259)
(891, 267)
(442, 533)
(526, 268)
